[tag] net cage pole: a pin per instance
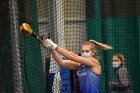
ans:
(56, 28)
(59, 29)
(16, 61)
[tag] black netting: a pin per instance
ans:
(27, 67)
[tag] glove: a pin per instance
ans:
(47, 43)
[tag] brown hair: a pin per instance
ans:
(121, 57)
(93, 45)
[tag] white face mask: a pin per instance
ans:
(87, 55)
(115, 64)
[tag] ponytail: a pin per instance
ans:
(101, 45)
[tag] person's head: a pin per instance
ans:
(117, 60)
(89, 48)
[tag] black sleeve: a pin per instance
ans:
(113, 85)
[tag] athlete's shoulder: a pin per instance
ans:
(95, 60)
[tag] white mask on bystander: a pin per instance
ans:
(115, 64)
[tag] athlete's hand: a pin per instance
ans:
(47, 43)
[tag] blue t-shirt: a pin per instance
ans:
(89, 81)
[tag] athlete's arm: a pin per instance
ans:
(92, 62)
(64, 63)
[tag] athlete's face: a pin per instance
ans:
(88, 49)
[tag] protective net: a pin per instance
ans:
(27, 67)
